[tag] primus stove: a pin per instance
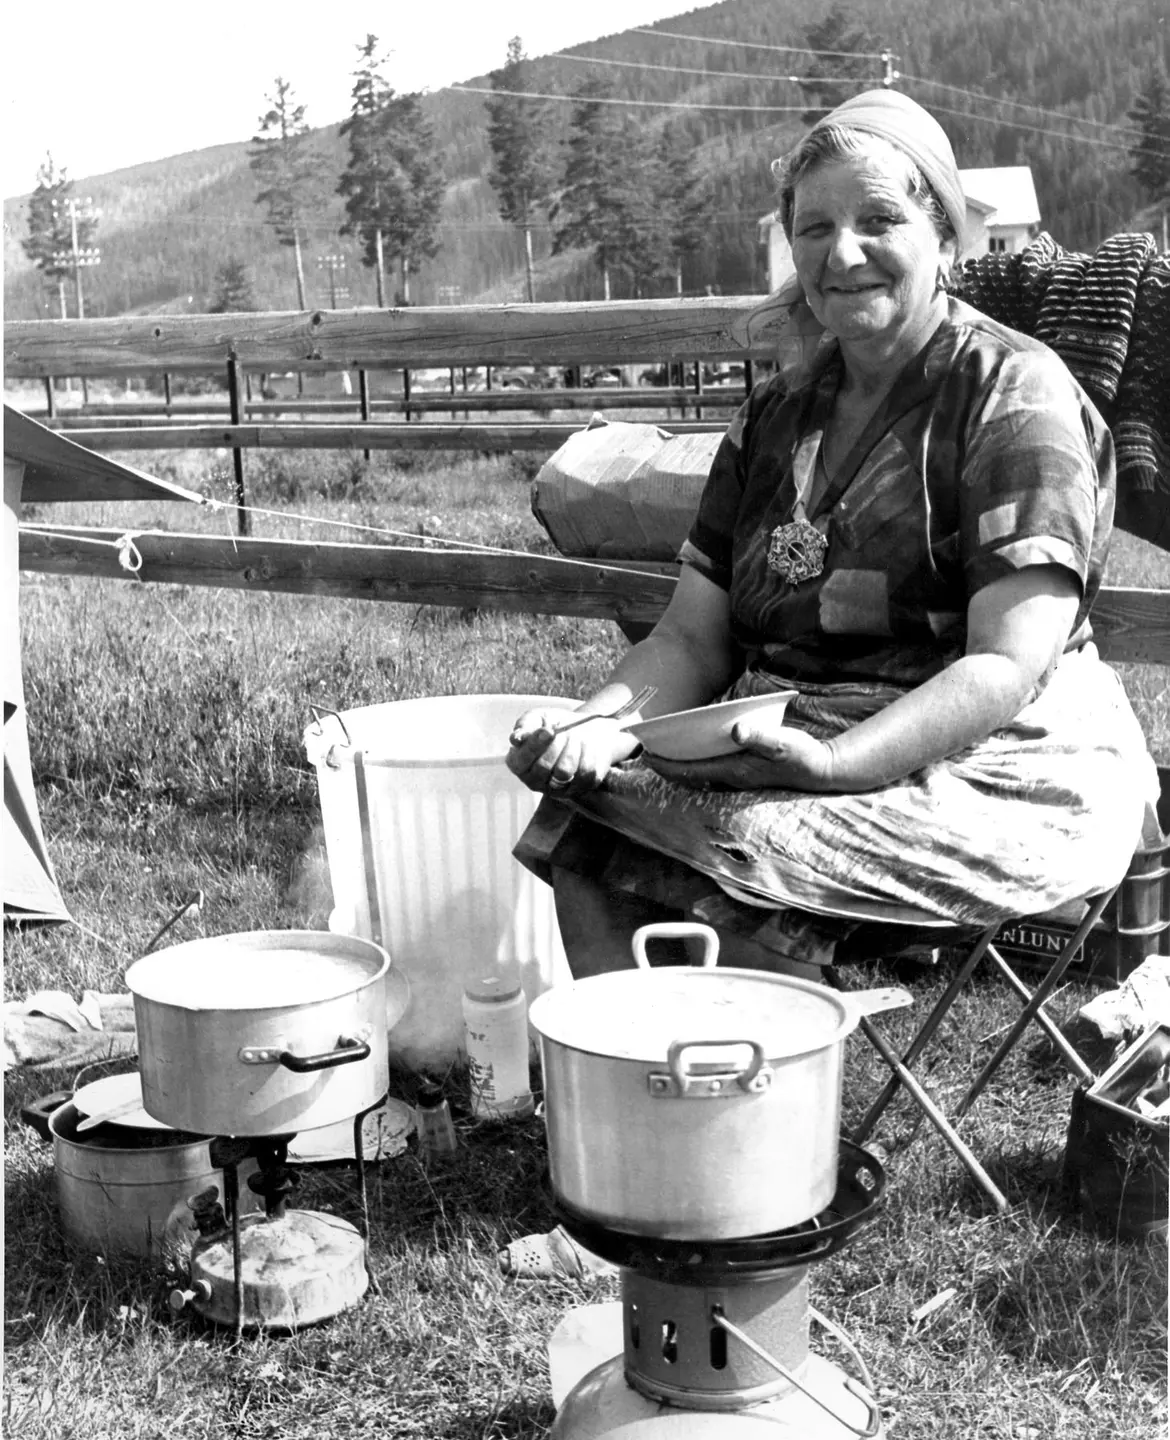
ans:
(252, 1038)
(716, 1335)
(693, 1117)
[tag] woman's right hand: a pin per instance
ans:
(570, 764)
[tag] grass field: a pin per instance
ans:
(166, 728)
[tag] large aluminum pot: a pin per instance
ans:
(695, 1103)
(267, 1032)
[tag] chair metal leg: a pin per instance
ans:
(1043, 1019)
(923, 1036)
(934, 1114)
(1039, 995)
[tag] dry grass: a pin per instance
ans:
(167, 744)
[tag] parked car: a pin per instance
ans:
(609, 379)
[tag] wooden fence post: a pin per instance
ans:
(364, 393)
(233, 376)
(406, 394)
(167, 391)
(748, 378)
(50, 397)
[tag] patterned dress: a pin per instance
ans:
(985, 458)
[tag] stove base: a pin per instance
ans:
(295, 1270)
(603, 1406)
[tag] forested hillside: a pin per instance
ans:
(168, 227)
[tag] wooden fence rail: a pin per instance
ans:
(603, 333)
(497, 438)
(1129, 624)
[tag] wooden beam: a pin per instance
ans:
(148, 413)
(602, 332)
(540, 584)
(315, 435)
(1129, 624)
(1133, 624)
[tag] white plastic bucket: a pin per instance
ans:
(442, 815)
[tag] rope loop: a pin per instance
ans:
(129, 555)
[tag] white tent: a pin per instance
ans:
(40, 466)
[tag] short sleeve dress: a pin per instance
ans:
(986, 457)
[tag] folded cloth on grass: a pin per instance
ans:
(49, 1027)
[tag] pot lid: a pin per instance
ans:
(638, 1014)
(258, 970)
(384, 1134)
(116, 1100)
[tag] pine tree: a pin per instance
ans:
(841, 67)
(393, 184)
(520, 173)
(290, 172)
(233, 290)
(49, 243)
(588, 212)
(686, 197)
(1150, 155)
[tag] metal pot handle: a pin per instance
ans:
(349, 1050)
(676, 930)
(36, 1113)
(753, 1079)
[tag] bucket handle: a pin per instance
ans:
(676, 930)
(318, 711)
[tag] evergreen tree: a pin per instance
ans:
(393, 182)
(841, 66)
(1150, 154)
(233, 290)
(412, 194)
(686, 197)
(591, 209)
(49, 243)
(520, 172)
(290, 172)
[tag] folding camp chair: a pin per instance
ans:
(1137, 914)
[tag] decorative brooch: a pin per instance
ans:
(796, 551)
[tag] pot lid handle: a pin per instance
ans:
(676, 930)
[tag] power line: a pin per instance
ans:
(1039, 130)
(614, 100)
(714, 74)
(1021, 105)
(772, 49)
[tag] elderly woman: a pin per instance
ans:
(910, 535)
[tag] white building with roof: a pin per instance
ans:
(1003, 214)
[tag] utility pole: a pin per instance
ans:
(335, 265)
(77, 257)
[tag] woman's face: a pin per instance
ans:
(866, 253)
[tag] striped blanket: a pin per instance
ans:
(1107, 315)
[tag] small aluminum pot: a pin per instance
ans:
(696, 1103)
(267, 1032)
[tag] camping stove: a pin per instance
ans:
(281, 1269)
(716, 1333)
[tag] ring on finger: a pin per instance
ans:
(559, 782)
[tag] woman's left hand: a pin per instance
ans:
(779, 758)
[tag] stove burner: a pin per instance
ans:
(860, 1183)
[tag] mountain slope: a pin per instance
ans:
(167, 226)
